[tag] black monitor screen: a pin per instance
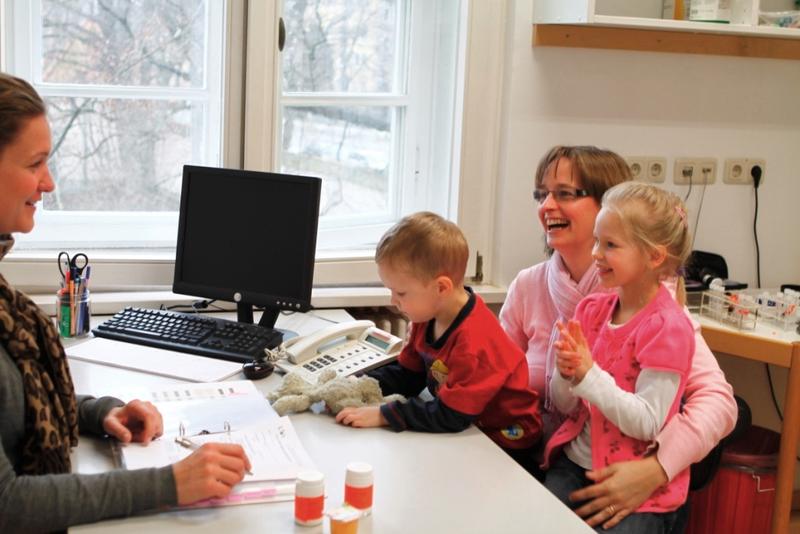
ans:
(247, 237)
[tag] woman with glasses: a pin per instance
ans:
(568, 187)
(41, 415)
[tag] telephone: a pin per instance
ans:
(349, 348)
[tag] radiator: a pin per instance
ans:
(384, 317)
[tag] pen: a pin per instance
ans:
(186, 443)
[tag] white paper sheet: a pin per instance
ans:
(274, 450)
(153, 361)
(270, 442)
(206, 407)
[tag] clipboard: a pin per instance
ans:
(226, 412)
(274, 450)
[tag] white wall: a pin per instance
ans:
(656, 104)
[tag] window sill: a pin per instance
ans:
(135, 271)
(106, 303)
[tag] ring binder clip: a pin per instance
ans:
(184, 435)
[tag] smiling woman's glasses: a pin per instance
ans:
(564, 194)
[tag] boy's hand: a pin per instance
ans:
(573, 357)
(366, 416)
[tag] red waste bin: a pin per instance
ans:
(740, 497)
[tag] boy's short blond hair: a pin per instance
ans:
(425, 245)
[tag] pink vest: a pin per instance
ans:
(659, 337)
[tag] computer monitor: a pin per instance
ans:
(247, 237)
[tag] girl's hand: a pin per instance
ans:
(574, 359)
(366, 416)
(566, 360)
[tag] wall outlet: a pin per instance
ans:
(652, 169)
(636, 164)
(739, 170)
(697, 171)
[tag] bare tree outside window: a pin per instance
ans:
(121, 144)
(336, 50)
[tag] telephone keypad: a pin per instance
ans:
(350, 357)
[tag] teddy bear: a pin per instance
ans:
(295, 394)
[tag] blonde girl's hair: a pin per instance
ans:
(19, 102)
(653, 217)
(425, 245)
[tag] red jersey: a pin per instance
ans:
(474, 368)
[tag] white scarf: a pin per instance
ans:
(565, 295)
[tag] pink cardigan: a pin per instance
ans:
(709, 413)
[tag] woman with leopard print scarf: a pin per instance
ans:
(40, 416)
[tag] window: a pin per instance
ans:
(134, 91)
(368, 103)
(384, 130)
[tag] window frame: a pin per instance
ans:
(476, 163)
(120, 229)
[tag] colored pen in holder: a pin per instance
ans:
(73, 310)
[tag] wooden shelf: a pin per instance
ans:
(725, 40)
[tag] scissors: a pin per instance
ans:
(74, 265)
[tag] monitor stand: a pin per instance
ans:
(244, 314)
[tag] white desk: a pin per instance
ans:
(438, 483)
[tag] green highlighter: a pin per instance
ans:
(65, 320)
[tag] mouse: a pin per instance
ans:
(258, 369)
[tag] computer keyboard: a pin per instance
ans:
(190, 332)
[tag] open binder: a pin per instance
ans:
(225, 412)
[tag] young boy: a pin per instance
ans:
(456, 347)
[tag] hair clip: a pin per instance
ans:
(681, 213)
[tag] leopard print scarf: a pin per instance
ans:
(51, 415)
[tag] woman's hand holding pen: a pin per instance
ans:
(209, 472)
(573, 357)
(137, 421)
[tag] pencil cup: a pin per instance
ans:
(73, 313)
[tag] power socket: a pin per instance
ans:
(652, 169)
(739, 171)
(697, 171)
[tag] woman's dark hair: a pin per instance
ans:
(598, 169)
(19, 102)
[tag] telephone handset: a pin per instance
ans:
(348, 348)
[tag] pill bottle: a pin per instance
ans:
(344, 520)
(358, 486)
(309, 498)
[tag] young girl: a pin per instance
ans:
(642, 342)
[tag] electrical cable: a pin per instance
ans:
(292, 312)
(194, 307)
(689, 191)
(772, 393)
(700, 206)
(755, 172)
